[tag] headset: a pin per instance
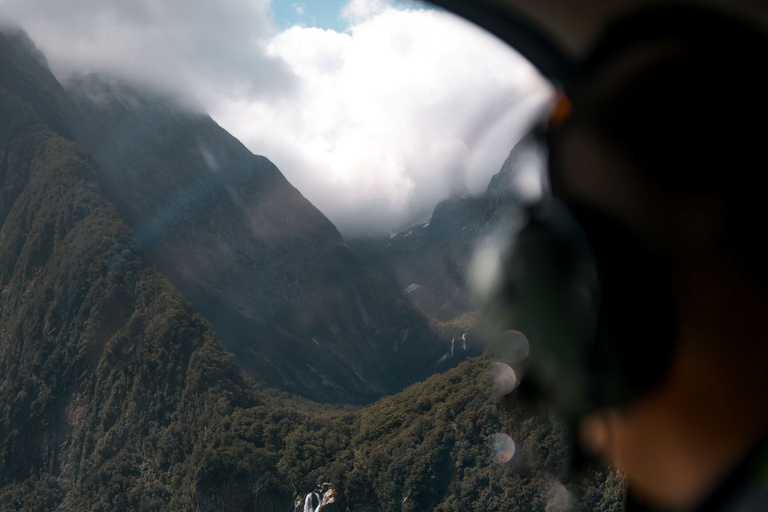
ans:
(595, 303)
(594, 298)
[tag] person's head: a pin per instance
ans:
(669, 121)
(667, 138)
(642, 281)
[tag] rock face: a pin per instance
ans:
(324, 498)
(319, 499)
(429, 262)
(286, 295)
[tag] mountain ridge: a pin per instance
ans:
(429, 262)
(250, 252)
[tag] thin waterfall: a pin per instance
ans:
(310, 500)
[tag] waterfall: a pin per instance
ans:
(464, 341)
(309, 502)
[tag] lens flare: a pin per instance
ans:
(511, 347)
(502, 448)
(503, 380)
(485, 271)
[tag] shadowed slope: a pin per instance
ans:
(269, 271)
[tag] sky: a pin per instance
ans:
(375, 110)
(310, 13)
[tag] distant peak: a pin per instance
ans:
(21, 43)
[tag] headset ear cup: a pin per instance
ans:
(552, 293)
(595, 304)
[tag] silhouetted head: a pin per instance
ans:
(642, 281)
(665, 143)
(668, 131)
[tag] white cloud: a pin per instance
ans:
(391, 116)
(374, 125)
(198, 49)
(299, 7)
(358, 10)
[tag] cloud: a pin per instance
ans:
(374, 125)
(199, 49)
(392, 115)
(359, 10)
(299, 8)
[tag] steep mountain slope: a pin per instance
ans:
(269, 271)
(429, 262)
(99, 355)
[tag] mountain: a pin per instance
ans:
(429, 262)
(116, 394)
(99, 354)
(282, 290)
